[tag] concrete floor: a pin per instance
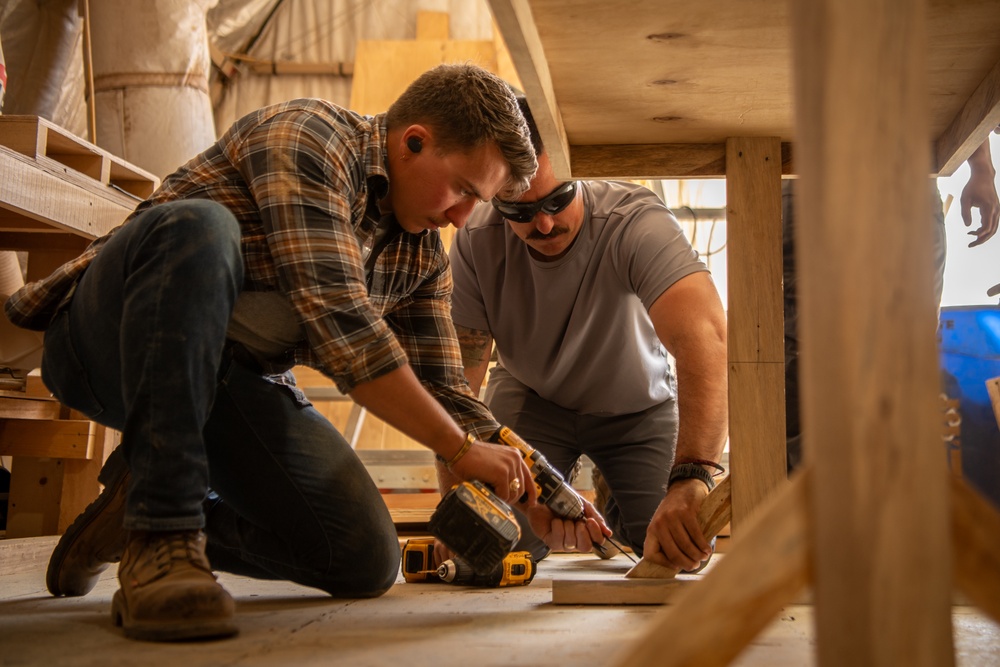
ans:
(435, 624)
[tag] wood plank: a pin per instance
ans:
(26, 554)
(618, 591)
(384, 68)
(27, 408)
(713, 515)
(46, 240)
(756, 323)
(753, 231)
(60, 438)
(515, 20)
(613, 592)
(710, 623)
(645, 161)
(756, 436)
(78, 205)
(80, 486)
(993, 389)
(979, 116)
(975, 539)
(432, 25)
(869, 364)
(35, 494)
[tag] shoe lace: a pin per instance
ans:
(171, 548)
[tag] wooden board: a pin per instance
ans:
(870, 377)
(627, 75)
(756, 323)
(713, 515)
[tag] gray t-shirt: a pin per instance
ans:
(576, 330)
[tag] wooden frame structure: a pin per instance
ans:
(57, 193)
(675, 89)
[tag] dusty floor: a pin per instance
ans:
(434, 624)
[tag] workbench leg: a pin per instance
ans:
(756, 323)
(870, 379)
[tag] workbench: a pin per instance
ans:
(862, 101)
(57, 193)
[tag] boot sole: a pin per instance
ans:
(73, 533)
(168, 631)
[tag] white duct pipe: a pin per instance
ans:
(151, 67)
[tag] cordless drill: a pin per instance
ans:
(553, 491)
(481, 528)
(516, 569)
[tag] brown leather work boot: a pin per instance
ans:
(95, 539)
(168, 591)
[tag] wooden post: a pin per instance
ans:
(756, 323)
(879, 498)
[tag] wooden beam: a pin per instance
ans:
(713, 515)
(644, 161)
(517, 25)
(979, 116)
(59, 438)
(975, 540)
(26, 408)
(869, 363)
(710, 623)
(756, 323)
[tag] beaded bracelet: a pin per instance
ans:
(469, 439)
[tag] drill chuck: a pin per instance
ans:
(553, 491)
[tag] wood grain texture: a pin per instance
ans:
(713, 515)
(384, 68)
(517, 23)
(618, 591)
(671, 71)
(710, 623)
(979, 116)
(59, 438)
(43, 190)
(993, 389)
(644, 161)
(975, 539)
(867, 322)
(756, 323)
(753, 239)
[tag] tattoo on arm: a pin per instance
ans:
(474, 344)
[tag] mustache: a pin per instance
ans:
(556, 231)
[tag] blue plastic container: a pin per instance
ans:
(969, 343)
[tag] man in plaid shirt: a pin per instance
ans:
(306, 234)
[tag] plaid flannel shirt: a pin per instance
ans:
(298, 178)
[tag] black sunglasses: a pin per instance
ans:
(550, 204)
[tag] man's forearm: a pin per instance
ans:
(702, 400)
(476, 347)
(399, 399)
(981, 160)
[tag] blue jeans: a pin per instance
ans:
(142, 348)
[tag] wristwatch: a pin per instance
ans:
(691, 471)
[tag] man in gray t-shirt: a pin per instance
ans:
(586, 287)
